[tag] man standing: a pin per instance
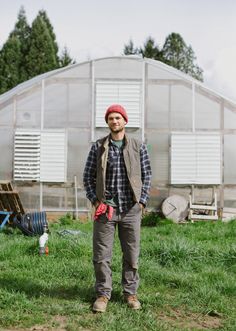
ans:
(117, 178)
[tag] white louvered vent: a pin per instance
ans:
(53, 157)
(126, 93)
(40, 156)
(27, 155)
(195, 159)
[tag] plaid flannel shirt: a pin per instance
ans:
(117, 183)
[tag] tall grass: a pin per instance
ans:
(188, 280)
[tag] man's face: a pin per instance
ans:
(116, 122)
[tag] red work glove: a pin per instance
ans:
(110, 212)
(103, 209)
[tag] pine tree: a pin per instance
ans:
(65, 58)
(129, 48)
(10, 59)
(41, 56)
(44, 16)
(30, 51)
(22, 32)
(177, 54)
(150, 49)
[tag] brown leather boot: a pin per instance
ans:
(100, 305)
(132, 301)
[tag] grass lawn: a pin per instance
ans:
(188, 280)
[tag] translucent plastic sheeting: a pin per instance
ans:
(67, 105)
(7, 148)
(79, 146)
(158, 105)
(181, 107)
(207, 112)
(7, 114)
(29, 194)
(59, 198)
(79, 105)
(161, 71)
(229, 159)
(118, 68)
(230, 197)
(28, 108)
(55, 105)
(157, 196)
(229, 119)
(158, 147)
(82, 70)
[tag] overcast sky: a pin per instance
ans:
(97, 28)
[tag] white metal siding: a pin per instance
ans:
(53, 157)
(128, 94)
(40, 156)
(195, 159)
(27, 155)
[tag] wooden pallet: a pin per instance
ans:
(10, 200)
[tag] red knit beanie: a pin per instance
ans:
(116, 109)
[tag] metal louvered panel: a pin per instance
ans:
(183, 159)
(27, 155)
(53, 157)
(128, 94)
(40, 156)
(195, 159)
(208, 159)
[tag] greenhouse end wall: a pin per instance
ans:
(67, 99)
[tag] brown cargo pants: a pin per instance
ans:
(128, 224)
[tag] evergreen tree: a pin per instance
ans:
(30, 51)
(129, 48)
(192, 68)
(150, 49)
(65, 58)
(44, 16)
(41, 56)
(22, 32)
(177, 54)
(10, 60)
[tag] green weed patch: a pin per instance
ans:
(187, 272)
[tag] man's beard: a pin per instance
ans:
(116, 130)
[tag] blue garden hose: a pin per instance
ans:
(31, 224)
